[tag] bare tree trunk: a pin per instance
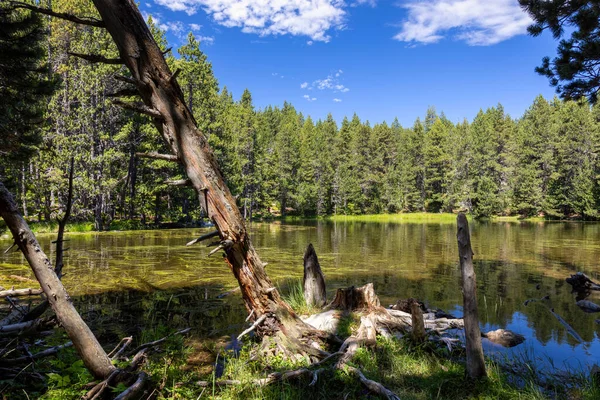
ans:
(161, 93)
(475, 361)
(86, 344)
(314, 281)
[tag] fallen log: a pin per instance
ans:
(20, 292)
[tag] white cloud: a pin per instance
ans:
(331, 82)
(312, 18)
(175, 27)
(477, 22)
(337, 100)
(208, 40)
(195, 27)
(307, 97)
(310, 43)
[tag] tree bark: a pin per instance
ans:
(158, 91)
(86, 344)
(475, 361)
(314, 281)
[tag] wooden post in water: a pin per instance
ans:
(475, 362)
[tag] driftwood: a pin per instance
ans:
(475, 361)
(20, 292)
(314, 281)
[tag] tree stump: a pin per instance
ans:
(355, 299)
(418, 324)
(314, 281)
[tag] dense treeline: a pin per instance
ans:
(278, 161)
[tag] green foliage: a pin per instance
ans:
(574, 70)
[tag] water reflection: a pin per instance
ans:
(514, 262)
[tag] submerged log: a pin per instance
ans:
(475, 361)
(314, 281)
(504, 337)
(581, 282)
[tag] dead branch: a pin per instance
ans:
(373, 386)
(62, 224)
(203, 237)
(156, 156)
(20, 292)
(25, 359)
(7, 250)
(124, 92)
(68, 17)
(134, 389)
(126, 79)
(120, 348)
(98, 389)
(139, 108)
(95, 58)
(179, 182)
(253, 327)
(159, 341)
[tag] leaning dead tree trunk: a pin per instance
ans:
(475, 361)
(164, 102)
(314, 281)
(84, 341)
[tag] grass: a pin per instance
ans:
(397, 218)
(413, 372)
(295, 297)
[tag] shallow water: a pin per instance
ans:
(402, 259)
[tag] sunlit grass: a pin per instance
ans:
(397, 218)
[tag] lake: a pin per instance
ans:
(122, 279)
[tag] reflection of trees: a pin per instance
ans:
(403, 260)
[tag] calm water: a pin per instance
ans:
(403, 260)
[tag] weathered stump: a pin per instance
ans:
(314, 281)
(353, 298)
(418, 324)
(475, 361)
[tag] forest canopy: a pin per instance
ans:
(278, 161)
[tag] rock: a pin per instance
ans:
(404, 305)
(504, 337)
(587, 306)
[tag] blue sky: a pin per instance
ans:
(380, 59)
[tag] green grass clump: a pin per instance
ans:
(295, 297)
(52, 227)
(441, 218)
